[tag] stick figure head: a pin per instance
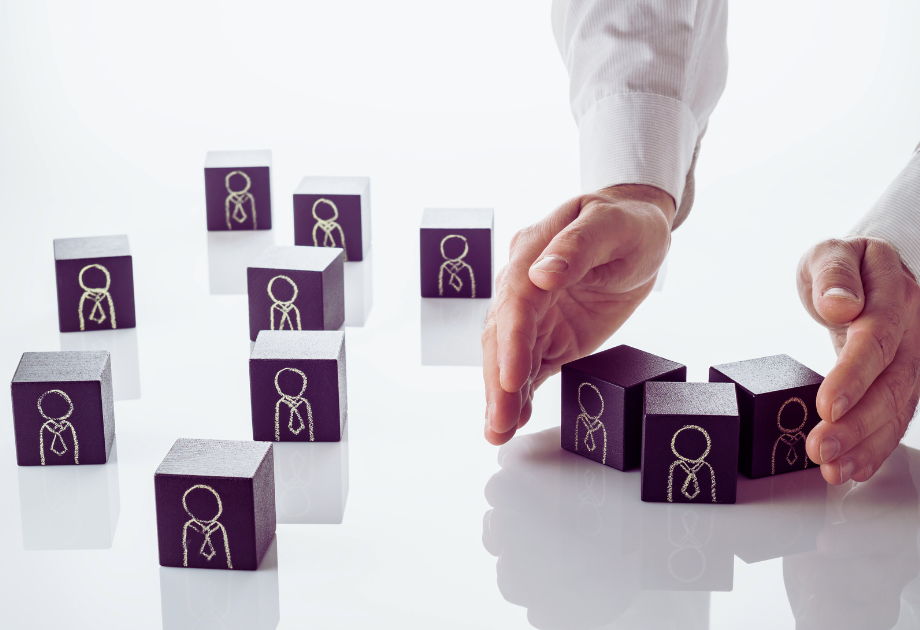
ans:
(201, 502)
(272, 295)
(303, 386)
(316, 206)
(246, 185)
(585, 411)
(689, 460)
(466, 247)
(108, 278)
(66, 399)
(779, 416)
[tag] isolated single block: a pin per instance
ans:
(456, 252)
(334, 212)
(690, 443)
(297, 386)
(237, 190)
(63, 409)
(777, 403)
(95, 283)
(215, 503)
(602, 403)
(296, 288)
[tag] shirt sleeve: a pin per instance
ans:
(895, 217)
(644, 77)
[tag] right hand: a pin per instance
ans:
(573, 279)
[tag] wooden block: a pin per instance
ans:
(334, 212)
(63, 409)
(237, 190)
(215, 503)
(297, 385)
(296, 288)
(95, 283)
(602, 403)
(456, 252)
(690, 443)
(777, 403)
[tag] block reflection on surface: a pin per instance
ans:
(229, 254)
(452, 331)
(69, 507)
(311, 481)
(207, 599)
(121, 344)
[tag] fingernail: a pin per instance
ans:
(828, 449)
(846, 471)
(840, 292)
(551, 264)
(839, 408)
(489, 411)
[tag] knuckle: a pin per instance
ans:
(520, 235)
(861, 428)
(577, 238)
(839, 271)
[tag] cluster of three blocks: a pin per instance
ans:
(624, 408)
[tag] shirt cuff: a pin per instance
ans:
(895, 217)
(637, 138)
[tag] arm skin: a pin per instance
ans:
(572, 280)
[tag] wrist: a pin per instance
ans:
(641, 192)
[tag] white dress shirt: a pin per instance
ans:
(645, 75)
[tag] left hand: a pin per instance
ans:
(861, 291)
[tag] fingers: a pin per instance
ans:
(503, 409)
(855, 445)
(619, 244)
(883, 313)
(830, 283)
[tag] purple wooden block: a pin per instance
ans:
(63, 409)
(95, 283)
(777, 403)
(602, 403)
(456, 252)
(334, 212)
(215, 502)
(237, 190)
(690, 443)
(297, 386)
(296, 288)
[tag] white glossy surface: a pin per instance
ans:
(107, 111)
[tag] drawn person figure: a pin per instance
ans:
(592, 424)
(329, 227)
(57, 429)
(283, 308)
(96, 295)
(690, 467)
(295, 419)
(235, 204)
(207, 530)
(688, 545)
(454, 268)
(790, 438)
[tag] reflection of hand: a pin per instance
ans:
(572, 280)
(864, 560)
(867, 298)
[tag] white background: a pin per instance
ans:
(108, 108)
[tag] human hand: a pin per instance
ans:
(571, 282)
(861, 291)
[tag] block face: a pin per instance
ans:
(690, 443)
(617, 376)
(215, 504)
(63, 411)
(237, 187)
(777, 403)
(333, 212)
(296, 288)
(456, 253)
(95, 283)
(295, 400)
(592, 418)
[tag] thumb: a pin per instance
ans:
(836, 288)
(618, 245)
